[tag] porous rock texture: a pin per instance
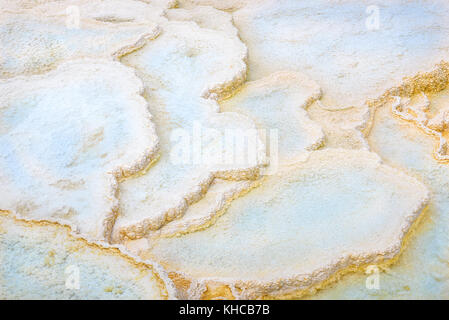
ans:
(67, 137)
(116, 179)
(43, 260)
(311, 238)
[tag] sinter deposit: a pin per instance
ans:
(224, 149)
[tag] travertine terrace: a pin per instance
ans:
(222, 149)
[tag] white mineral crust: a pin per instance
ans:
(115, 177)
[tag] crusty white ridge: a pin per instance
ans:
(350, 209)
(67, 137)
(113, 113)
(213, 64)
(37, 39)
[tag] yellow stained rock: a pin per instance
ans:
(92, 272)
(340, 209)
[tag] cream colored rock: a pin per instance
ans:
(45, 261)
(183, 70)
(18, 5)
(278, 106)
(78, 146)
(66, 137)
(37, 40)
(169, 187)
(354, 50)
(225, 5)
(339, 209)
(114, 12)
(421, 271)
(440, 122)
(211, 62)
(205, 212)
(206, 17)
(418, 113)
(165, 4)
(344, 128)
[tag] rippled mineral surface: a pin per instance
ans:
(224, 149)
